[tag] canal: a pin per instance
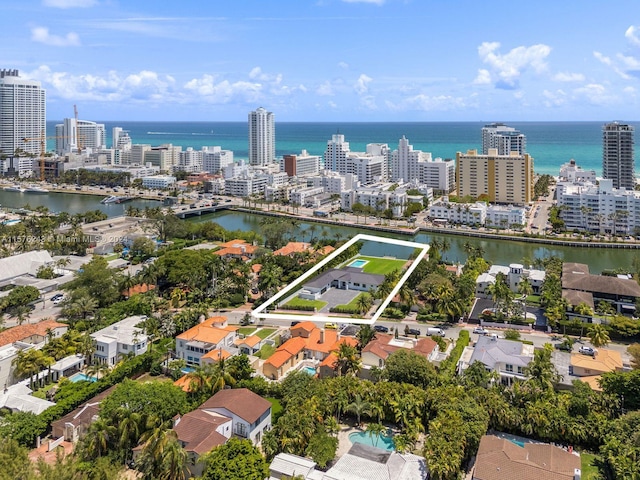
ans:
(496, 251)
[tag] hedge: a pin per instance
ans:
(448, 365)
(345, 309)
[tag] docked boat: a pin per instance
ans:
(35, 189)
(115, 199)
(14, 188)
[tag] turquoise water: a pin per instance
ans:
(383, 442)
(517, 442)
(78, 377)
(309, 370)
(550, 143)
(358, 263)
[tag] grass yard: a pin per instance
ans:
(589, 470)
(276, 409)
(246, 331)
(378, 265)
(265, 332)
(266, 351)
(302, 302)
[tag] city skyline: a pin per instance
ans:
(326, 60)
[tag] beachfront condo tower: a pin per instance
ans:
(496, 178)
(617, 155)
(262, 137)
(503, 138)
(22, 113)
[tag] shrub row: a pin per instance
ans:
(344, 309)
(448, 365)
(303, 308)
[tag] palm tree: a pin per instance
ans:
(364, 303)
(365, 334)
(348, 362)
(598, 335)
(174, 459)
(21, 313)
(84, 306)
(358, 407)
(100, 437)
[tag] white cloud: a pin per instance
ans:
(325, 89)
(423, 102)
(630, 63)
(42, 35)
(69, 3)
(568, 77)
(632, 35)
(224, 91)
(610, 63)
(595, 94)
(343, 65)
(554, 99)
(362, 84)
(369, 102)
(483, 77)
(506, 69)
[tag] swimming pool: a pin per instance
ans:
(383, 442)
(78, 377)
(358, 263)
(308, 370)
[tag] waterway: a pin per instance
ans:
(500, 252)
(69, 202)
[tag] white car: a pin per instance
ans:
(480, 331)
(587, 350)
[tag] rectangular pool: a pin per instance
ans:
(82, 377)
(358, 263)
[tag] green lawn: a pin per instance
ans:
(589, 470)
(276, 409)
(301, 302)
(266, 351)
(378, 265)
(246, 331)
(265, 332)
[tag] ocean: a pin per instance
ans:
(550, 143)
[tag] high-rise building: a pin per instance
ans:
(262, 137)
(498, 178)
(22, 113)
(411, 165)
(335, 156)
(79, 135)
(617, 155)
(503, 138)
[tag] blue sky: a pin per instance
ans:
(326, 60)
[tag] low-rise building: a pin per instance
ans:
(508, 358)
(158, 181)
(287, 356)
(503, 459)
(377, 351)
(207, 338)
(590, 368)
(514, 274)
(238, 249)
(120, 340)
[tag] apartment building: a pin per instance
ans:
(302, 165)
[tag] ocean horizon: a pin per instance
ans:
(549, 143)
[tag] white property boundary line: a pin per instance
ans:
(260, 312)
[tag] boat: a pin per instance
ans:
(35, 189)
(115, 199)
(14, 188)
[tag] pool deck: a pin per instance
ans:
(344, 444)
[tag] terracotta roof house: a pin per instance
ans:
(501, 459)
(212, 334)
(249, 345)
(622, 293)
(214, 356)
(250, 413)
(326, 368)
(293, 247)
(239, 249)
(32, 333)
(376, 352)
(326, 250)
(139, 288)
(590, 368)
(75, 424)
(285, 357)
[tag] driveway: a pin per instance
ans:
(335, 296)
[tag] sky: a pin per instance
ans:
(327, 60)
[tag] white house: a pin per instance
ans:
(250, 413)
(343, 279)
(118, 340)
(514, 274)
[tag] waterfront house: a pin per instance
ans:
(377, 351)
(238, 249)
(284, 358)
(74, 425)
(347, 278)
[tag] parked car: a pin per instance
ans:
(564, 346)
(435, 331)
(381, 328)
(413, 331)
(57, 298)
(587, 350)
(480, 331)
(331, 326)
(294, 323)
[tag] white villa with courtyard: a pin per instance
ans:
(349, 278)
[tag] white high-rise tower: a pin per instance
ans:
(262, 137)
(504, 139)
(617, 155)
(22, 113)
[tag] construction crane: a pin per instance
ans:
(43, 139)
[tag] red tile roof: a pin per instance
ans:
(304, 326)
(21, 332)
(292, 247)
(197, 430)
